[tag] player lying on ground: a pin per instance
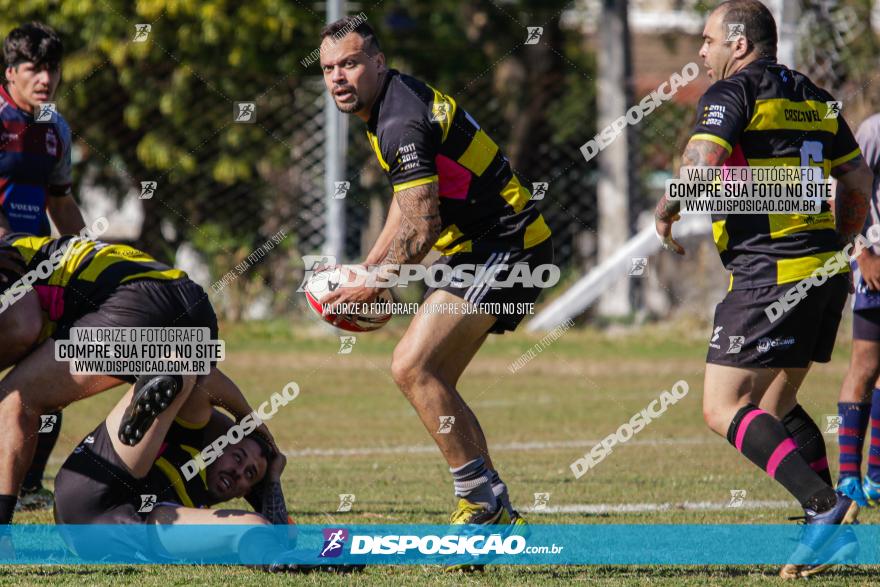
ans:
(105, 481)
(856, 407)
(753, 115)
(92, 284)
(35, 175)
(453, 189)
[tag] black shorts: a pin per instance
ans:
(744, 336)
(94, 486)
(866, 324)
(509, 304)
(149, 303)
(145, 303)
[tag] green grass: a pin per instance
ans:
(579, 388)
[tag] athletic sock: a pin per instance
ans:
(762, 439)
(7, 508)
(854, 418)
(45, 443)
(500, 491)
(471, 481)
(874, 452)
(809, 440)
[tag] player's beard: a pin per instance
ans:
(351, 107)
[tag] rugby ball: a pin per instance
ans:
(327, 280)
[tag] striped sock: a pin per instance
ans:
(854, 418)
(874, 453)
(763, 440)
(808, 437)
(471, 481)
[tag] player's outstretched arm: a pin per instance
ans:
(698, 153)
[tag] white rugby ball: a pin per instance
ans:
(327, 280)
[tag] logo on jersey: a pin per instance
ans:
(51, 143)
(245, 112)
(735, 30)
(539, 189)
(47, 423)
(541, 501)
(141, 32)
(346, 344)
(346, 500)
(148, 502)
(736, 344)
(45, 112)
(446, 423)
(533, 34)
(637, 266)
(737, 498)
(834, 108)
(341, 189)
(148, 188)
(334, 540)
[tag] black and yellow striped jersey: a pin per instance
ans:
(769, 115)
(74, 275)
(183, 442)
(421, 135)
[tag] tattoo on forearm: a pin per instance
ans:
(274, 509)
(850, 209)
(419, 226)
(698, 153)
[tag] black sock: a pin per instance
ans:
(764, 441)
(7, 508)
(809, 440)
(46, 440)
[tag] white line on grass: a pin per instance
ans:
(635, 508)
(508, 446)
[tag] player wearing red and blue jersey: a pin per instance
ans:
(35, 177)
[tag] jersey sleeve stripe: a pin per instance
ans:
(848, 157)
(176, 481)
(415, 183)
(712, 138)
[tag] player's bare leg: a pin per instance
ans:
(433, 342)
(139, 458)
(20, 324)
(864, 370)
(36, 385)
(417, 367)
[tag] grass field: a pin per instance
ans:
(351, 431)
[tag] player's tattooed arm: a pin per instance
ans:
(852, 198)
(273, 508)
(698, 153)
(419, 225)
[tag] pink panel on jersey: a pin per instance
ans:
(455, 180)
(51, 300)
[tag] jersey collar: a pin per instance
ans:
(5, 95)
